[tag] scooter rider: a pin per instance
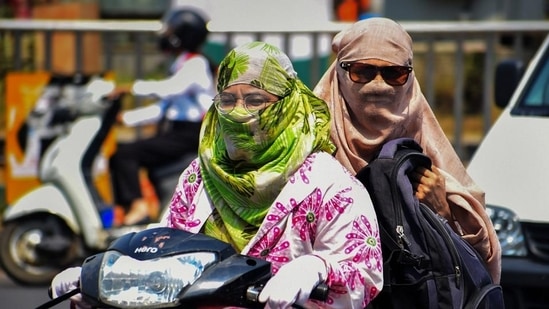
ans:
(260, 184)
(184, 98)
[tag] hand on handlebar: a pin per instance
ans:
(293, 282)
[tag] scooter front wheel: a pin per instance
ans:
(35, 249)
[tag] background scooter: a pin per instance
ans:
(65, 219)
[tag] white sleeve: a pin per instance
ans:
(195, 72)
(142, 115)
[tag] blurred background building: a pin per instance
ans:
(455, 69)
(340, 9)
(235, 14)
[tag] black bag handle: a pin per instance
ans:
(391, 147)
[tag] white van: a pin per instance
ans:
(512, 166)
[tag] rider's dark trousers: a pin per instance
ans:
(164, 148)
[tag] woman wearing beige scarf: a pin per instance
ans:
(374, 97)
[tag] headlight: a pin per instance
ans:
(508, 229)
(125, 282)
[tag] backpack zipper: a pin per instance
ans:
(402, 239)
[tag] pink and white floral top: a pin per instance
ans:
(323, 210)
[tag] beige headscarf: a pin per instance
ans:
(362, 122)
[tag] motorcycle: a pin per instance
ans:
(169, 268)
(65, 218)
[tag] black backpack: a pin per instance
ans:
(426, 264)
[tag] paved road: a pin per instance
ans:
(14, 296)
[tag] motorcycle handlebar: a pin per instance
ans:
(59, 299)
(320, 292)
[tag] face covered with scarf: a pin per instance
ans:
(367, 114)
(383, 43)
(246, 158)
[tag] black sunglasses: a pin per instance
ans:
(363, 73)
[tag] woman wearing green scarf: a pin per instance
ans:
(266, 182)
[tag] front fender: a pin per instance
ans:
(46, 198)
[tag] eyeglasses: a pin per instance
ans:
(363, 73)
(253, 103)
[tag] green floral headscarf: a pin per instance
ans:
(270, 146)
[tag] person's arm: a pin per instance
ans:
(190, 206)
(143, 115)
(350, 246)
(344, 235)
(474, 224)
(195, 72)
(466, 215)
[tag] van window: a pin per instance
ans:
(535, 100)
